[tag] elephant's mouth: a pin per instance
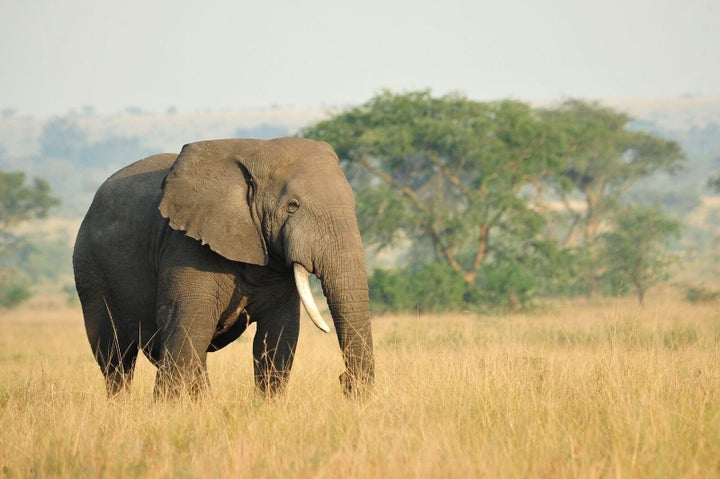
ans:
(303, 286)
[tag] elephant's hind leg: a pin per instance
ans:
(114, 349)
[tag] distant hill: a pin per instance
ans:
(20, 136)
(169, 131)
(77, 151)
(671, 114)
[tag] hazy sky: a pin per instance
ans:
(58, 55)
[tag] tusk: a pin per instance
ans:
(303, 287)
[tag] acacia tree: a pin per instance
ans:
(601, 159)
(478, 185)
(635, 249)
(448, 171)
(18, 202)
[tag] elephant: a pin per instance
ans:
(179, 253)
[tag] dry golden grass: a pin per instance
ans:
(583, 389)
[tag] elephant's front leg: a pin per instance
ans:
(185, 339)
(274, 346)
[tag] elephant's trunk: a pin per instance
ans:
(344, 280)
(347, 296)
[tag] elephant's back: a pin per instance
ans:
(151, 164)
(125, 206)
(132, 188)
(145, 172)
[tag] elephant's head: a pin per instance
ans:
(285, 202)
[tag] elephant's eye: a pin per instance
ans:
(293, 206)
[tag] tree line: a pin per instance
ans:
(480, 204)
(497, 203)
(21, 199)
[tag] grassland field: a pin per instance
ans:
(583, 389)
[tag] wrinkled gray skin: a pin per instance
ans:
(179, 253)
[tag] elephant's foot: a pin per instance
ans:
(354, 387)
(269, 384)
(173, 383)
(117, 382)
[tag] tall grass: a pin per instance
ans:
(582, 389)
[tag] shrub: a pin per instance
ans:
(429, 287)
(14, 294)
(436, 287)
(701, 294)
(507, 285)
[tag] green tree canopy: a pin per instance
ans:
(20, 201)
(601, 160)
(511, 199)
(635, 248)
(448, 170)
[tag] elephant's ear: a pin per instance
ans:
(208, 194)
